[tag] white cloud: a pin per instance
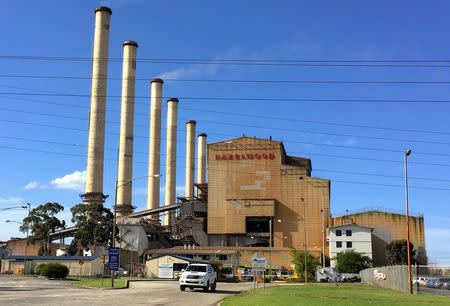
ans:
(73, 181)
(11, 200)
(31, 185)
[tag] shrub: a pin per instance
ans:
(38, 268)
(294, 280)
(54, 270)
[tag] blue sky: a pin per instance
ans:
(43, 138)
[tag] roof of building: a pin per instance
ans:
(22, 257)
(382, 211)
(190, 260)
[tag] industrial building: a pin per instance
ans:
(249, 195)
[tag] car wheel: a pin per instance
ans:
(213, 287)
(191, 288)
(206, 287)
(182, 288)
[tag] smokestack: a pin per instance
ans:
(154, 159)
(94, 168)
(171, 159)
(190, 158)
(125, 158)
(201, 161)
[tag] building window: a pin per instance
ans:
(222, 257)
(349, 244)
(338, 233)
(205, 257)
(339, 244)
(348, 232)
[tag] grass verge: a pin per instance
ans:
(97, 282)
(331, 294)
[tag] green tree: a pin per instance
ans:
(94, 222)
(396, 253)
(351, 261)
(298, 258)
(41, 222)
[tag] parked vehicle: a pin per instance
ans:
(431, 282)
(198, 276)
(444, 283)
(421, 280)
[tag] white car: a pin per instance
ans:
(198, 276)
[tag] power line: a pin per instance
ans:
(253, 62)
(137, 152)
(301, 153)
(226, 80)
(252, 126)
(251, 115)
(239, 98)
(338, 181)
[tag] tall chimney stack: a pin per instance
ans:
(171, 159)
(201, 160)
(190, 159)
(96, 147)
(125, 158)
(154, 157)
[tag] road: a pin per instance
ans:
(16, 290)
(434, 291)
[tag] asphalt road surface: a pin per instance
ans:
(16, 290)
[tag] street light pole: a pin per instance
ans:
(407, 152)
(304, 238)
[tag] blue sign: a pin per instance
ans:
(113, 263)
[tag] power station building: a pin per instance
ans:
(256, 197)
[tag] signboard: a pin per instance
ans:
(81, 262)
(258, 263)
(113, 263)
(379, 275)
(165, 270)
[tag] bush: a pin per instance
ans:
(294, 280)
(54, 270)
(38, 268)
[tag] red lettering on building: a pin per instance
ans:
(237, 156)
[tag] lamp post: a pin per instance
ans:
(28, 230)
(407, 153)
(12, 207)
(113, 242)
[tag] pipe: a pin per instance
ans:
(171, 159)
(96, 146)
(154, 154)
(125, 157)
(190, 159)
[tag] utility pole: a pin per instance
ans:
(407, 152)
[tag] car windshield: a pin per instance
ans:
(196, 268)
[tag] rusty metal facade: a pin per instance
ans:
(249, 177)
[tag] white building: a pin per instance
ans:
(350, 236)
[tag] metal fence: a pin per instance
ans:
(425, 279)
